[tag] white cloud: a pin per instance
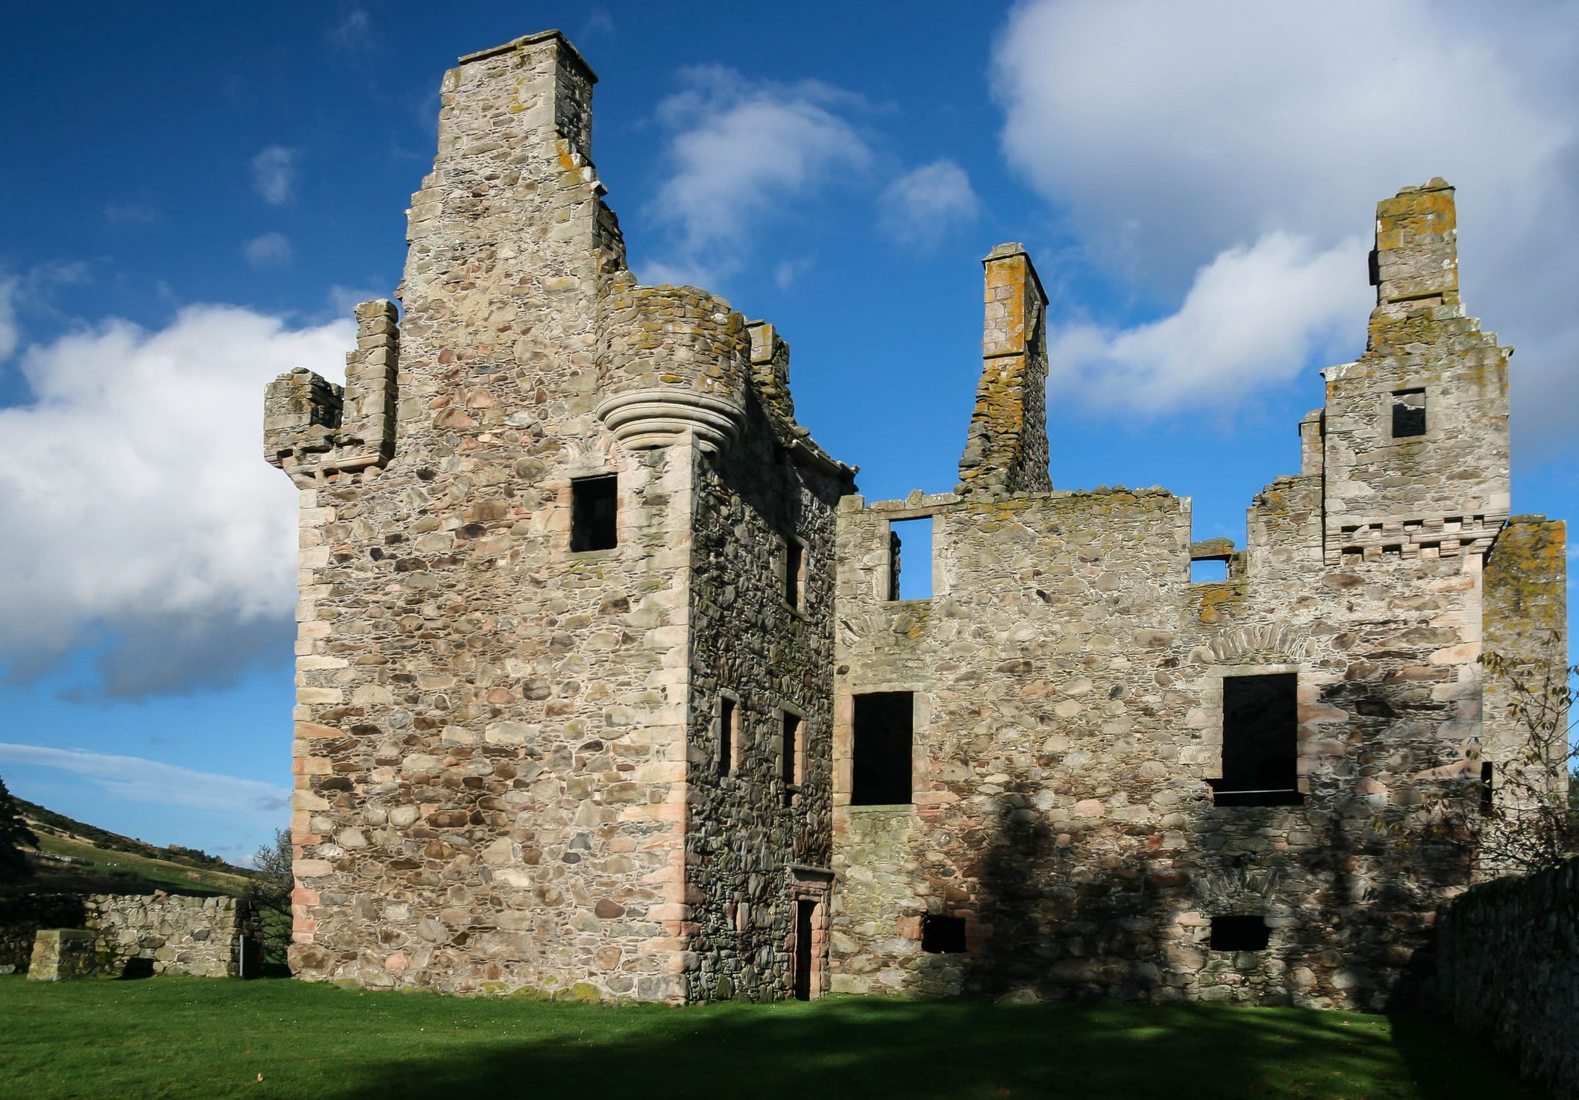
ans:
(274, 173)
(737, 150)
(1253, 317)
(136, 500)
(269, 250)
(9, 333)
(1164, 134)
(142, 780)
(920, 207)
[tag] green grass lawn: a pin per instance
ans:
(277, 1038)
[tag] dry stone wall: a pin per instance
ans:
(212, 937)
(1507, 971)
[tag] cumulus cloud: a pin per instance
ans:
(1166, 136)
(736, 151)
(139, 513)
(274, 173)
(269, 250)
(142, 780)
(921, 206)
(1254, 316)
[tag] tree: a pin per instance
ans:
(269, 892)
(14, 836)
(1530, 817)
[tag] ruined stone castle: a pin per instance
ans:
(605, 688)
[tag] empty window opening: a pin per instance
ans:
(882, 733)
(592, 511)
(1240, 933)
(1260, 741)
(728, 735)
(1208, 570)
(1408, 413)
(943, 935)
(794, 573)
(1487, 774)
(910, 559)
(790, 765)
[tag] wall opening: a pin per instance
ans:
(943, 935)
(1240, 933)
(592, 513)
(805, 912)
(790, 760)
(910, 559)
(882, 732)
(728, 734)
(794, 573)
(1208, 570)
(1408, 413)
(1260, 741)
(1487, 790)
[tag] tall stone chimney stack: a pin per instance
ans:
(1006, 450)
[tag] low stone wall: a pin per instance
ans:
(1507, 970)
(152, 934)
(170, 934)
(22, 917)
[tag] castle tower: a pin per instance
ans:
(566, 601)
(1416, 430)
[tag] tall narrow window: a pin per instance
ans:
(794, 572)
(790, 761)
(1408, 413)
(1260, 741)
(882, 732)
(910, 559)
(1487, 790)
(728, 735)
(592, 513)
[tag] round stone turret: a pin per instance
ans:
(675, 360)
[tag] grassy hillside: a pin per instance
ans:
(75, 857)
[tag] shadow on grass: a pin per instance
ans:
(959, 1049)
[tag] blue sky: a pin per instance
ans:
(197, 193)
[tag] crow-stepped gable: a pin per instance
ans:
(605, 688)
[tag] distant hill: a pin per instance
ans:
(75, 857)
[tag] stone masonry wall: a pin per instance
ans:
(157, 933)
(1069, 682)
(747, 827)
(172, 934)
(490, 746)
(1507, 971)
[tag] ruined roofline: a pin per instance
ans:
(527, 40)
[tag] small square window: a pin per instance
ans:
(1408, 413)
(943, 935)
(1240, 933)
(592, 513)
